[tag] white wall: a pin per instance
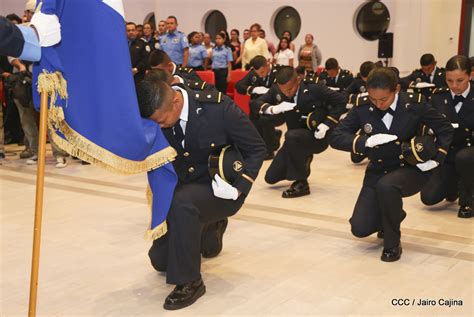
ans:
(419, 26)
(135, 10)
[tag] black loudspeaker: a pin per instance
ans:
(386, 46)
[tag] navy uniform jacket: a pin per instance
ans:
(344, 79)
(464, 134)
(215, 121)
(252, 80)
(356, 87)
(139, 52)
(191, 79)
(18, 41)
(439, 78)
(326, 103)
(411, 113)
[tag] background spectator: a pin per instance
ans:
(221, 62)
(175, 43)
(284, 55)
(235, 43)
(309, 55)
(290, 37)
(254, 46)
(197, 52)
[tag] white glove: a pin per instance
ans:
(455, 125)
(48, 28)
(224, 190)
(282, 107)
(379, 139)
(334, 88)
(424, 85)
(428, 165)
(363, 94)
(260, 90)
(320, 133)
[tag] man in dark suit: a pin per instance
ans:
(139, 51)
(310, 112)
(335, 77)
(196, 124)
(388, 117)
(257, 82)
(425, 79)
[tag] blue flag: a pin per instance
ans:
(93, 111)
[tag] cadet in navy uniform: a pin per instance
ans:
(429, 73)
(195, 124)
(456, 177)
(139, 52)
(175, 43)
(310, 111)
(358, 85)
(388, 118)
(256, 83)
(160, 60)
(334, 76)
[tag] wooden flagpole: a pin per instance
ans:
(38, 204)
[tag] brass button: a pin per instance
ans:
(209, 96)
(186, 154)
(401, 157)
(397, 142)
(402, 164)
(380, 160)
(213, 145)
(467, 130)
(191, 169)
(385, 172)
(297, 110)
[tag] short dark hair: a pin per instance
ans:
(258, 62)
(139, 26)
(247, 30)
(331, 63)
(459, 62)
(158, 75)
(366, 68)
(427, 59)
(395, 70)
(158, 57)
(150, 95)
(191, 35)
(13, 17)
(131, 23)
(256, 25)
(382, 78)
(173, 17)
(300, 70)
(285, 74)
(286, 31)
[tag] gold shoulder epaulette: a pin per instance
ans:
(440, 90)
(208, 96)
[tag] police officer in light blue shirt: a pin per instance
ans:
(197, 53)
(175, 43)
(221, 62)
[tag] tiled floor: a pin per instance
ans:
(280, 258)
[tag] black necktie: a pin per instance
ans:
(458, 98)
(178, 132)
(382, 113)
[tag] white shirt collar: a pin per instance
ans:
(464, 94)
(185, 111)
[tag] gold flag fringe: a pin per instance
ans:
(77, 145)
(162, 228)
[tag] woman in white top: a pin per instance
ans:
(284, 55)
(254, 46)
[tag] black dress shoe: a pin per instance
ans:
(392, 254)
(357, 158)
(184, 295)
(297, 189)
(211, 239)
(269, 156)
(465, 212)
